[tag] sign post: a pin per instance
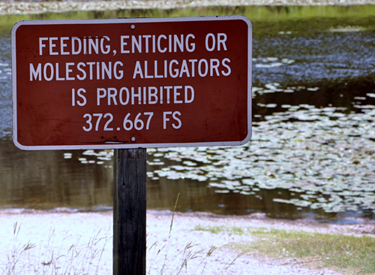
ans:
(129, 212)
(131, 84)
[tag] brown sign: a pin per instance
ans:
(129, 83)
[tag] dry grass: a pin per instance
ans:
(47, 258)
(69, 254)
(191, 260)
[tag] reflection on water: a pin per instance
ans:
(349, 95)
(311, 156)
(45, 180)
(82, 181)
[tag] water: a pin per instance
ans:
(6, 86)
(311, 156)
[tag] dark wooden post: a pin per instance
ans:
(129, 212)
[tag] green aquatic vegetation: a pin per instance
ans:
(296, 20)
(317, 156)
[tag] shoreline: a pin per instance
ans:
(82, 242)
(362, 226)
(10, 7)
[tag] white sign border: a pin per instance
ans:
(116, 145)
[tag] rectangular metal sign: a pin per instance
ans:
(131, 83)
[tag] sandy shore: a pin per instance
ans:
(45, 242)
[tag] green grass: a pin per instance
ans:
(228, 230)
(267, 20)
(348, 254)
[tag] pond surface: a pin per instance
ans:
(312, 154)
